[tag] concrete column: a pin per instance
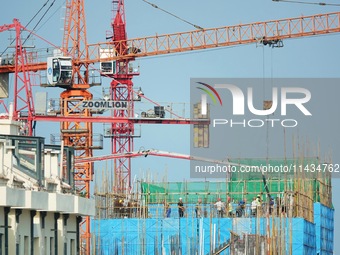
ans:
(65, 218)
(79, 220)
(32, 214)
(56, 217)
(6, 212)
(18, 212)
(42, 233)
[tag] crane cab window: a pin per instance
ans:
(107, 66)
(59, 71)
(65, 72)
(56, 70)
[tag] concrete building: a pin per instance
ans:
(39, 210)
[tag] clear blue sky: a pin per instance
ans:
(167, 78)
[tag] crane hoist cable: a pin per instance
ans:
(28, 36)
(300, 2)
(57, 9)
(157, 7)
(35, 15)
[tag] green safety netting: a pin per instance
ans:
(188, 191)
(247, 185)
(243, 185)
(237, 190)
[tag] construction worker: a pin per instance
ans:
(240, 208)
(219, 208)
(198, 208)
(253, 207)
(258, 205)
(181, 208)
(230, 207)
(167, 210)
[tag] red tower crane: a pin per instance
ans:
(23, 101)
(121, 89)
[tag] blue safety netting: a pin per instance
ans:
(324, 222)
(196, 235)
(160, 236)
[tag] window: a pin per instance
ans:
(51, 246)
(1, 244)
(72, 247)
(36, 246)
(26, 245)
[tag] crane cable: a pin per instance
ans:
(300, 2)
(37, 12)
(157, 7)
(51, 15)
(28, 36)
(27, 24)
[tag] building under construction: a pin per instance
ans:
(294, 215)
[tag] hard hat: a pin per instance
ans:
(180, 198)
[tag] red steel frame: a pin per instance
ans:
(23, 108)
(121, 90)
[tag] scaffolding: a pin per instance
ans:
(283, 222)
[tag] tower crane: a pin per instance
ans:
(121, 89)
(71, 66)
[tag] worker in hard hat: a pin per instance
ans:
(220, 207)
(258, 205)
(181, 208)
(230, 208)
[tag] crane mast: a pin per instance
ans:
(78, 134)
(121, 89)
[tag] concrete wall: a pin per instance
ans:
(9, 127)
(2, 229)
(21, 241)
(40, 206)
(46, 201)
